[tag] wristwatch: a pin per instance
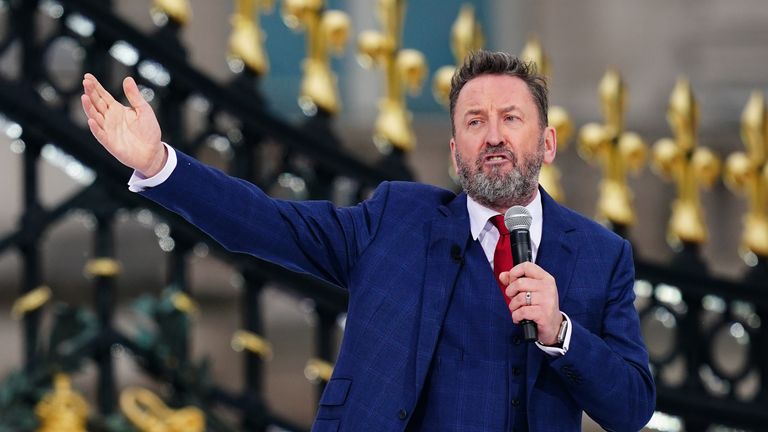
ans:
(563, 330)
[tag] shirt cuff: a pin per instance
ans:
(138, 182)
(557, 351)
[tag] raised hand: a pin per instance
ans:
(131, 134)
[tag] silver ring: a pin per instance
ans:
(528, 298)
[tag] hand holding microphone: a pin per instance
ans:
(534, 300)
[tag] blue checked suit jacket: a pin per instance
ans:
(395, 253)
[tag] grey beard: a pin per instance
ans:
(497, 189)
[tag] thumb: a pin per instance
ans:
(132, 93)
(504, 277)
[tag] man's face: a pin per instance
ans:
(499, 146)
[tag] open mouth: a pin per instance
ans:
(496, 158)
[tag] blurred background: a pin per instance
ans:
(161, 282)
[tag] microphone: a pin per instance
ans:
(518, 221)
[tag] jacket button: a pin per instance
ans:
(515, 402)
(517, 340)
(516, 371)
(402, 414)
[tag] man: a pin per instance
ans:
(432, 343)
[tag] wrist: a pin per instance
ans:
(561, 331)
(157, 164)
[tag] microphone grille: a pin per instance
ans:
(517, 217)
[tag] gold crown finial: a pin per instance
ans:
(327, 32)
(615, 149)
(403, 69)
(63, 409)
(150, 414)
(466, 37)
(246, 43)
(558, 118)
(748, 173)
(682, 161)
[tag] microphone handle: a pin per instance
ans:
(520, 242)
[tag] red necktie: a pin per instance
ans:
(502, 257)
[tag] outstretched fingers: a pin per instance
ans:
(100, 97)
(90, 110)
(133, 94)
(97, 131)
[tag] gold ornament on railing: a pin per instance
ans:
(31, 301)
(689, 166)
(403, 69)
(63, 409)
(246, 43)
(245, 340)
(177, 11)
(102, 267)
(616, 150)
(748, 173)
(558, 118)
(150, 414)
(184, 303)
(318, 370)
(327, 33)
(466, 37)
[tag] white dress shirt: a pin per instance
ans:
(485, 232)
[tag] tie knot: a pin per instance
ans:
(498, 222)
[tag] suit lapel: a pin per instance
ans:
(557, 255)
(449, 232)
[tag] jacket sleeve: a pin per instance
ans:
(313, 237)
(608, 374)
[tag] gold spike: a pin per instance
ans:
(245, 340)
(63, 409)
(246, 43)
(534, 52)
(616, 150)
(549, 177)
(327, 32)
(403, 69)
(30, 301)
(178, 11)
(318, 370)
(466, 37)
(150, 414)
(689, 166)
(748, 173)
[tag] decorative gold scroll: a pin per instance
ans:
(150, 414)
(689, 166)
(616, 150)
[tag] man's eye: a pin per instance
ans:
(474, 122)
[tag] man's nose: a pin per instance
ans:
(494, 135)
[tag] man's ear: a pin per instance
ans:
(453, 155)
(550, 144)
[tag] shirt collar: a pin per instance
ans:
(479, 215)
